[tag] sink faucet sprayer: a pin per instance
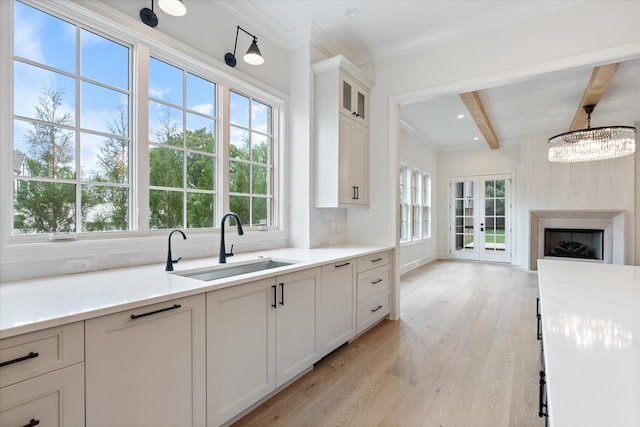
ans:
(222, 258)
(170, 260)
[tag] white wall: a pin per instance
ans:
(415, 151)
(607, 184)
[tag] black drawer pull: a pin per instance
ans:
(31, 355)
(375, 282)
(376, 260)
(32, 423)
(342, 265)
(373, 310)
(137, 316)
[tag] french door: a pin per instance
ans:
(481, 216)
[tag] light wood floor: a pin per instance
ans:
(464, 354)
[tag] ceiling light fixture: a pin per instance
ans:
(253, 55)
(601, 143)
(460, 116)
(173, 7)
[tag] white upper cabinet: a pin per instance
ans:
(355, 99)
(341, 134)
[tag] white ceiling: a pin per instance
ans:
(384, 28)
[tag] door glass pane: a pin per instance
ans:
(494, 216)
(464, 216)
(346, 95)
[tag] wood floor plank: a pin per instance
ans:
(463, 354)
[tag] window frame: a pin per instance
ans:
(143, 45)
(414, 227)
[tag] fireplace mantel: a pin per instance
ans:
(611, 221)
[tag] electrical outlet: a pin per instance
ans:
(263, 245)
(78, 265)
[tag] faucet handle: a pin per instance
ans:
(230, 253)
(175, 261)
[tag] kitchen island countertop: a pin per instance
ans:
(591, 338)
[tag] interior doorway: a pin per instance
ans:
(481, 217)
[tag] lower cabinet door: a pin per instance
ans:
(146, 367)
(55, 399)
(240, 348)
(297, 323)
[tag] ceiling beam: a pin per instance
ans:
(598, 83)
(474, 105)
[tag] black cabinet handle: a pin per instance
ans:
(281, 293)
(137, 316)
(32, 423)
(542, 406)
(31, 355)
(357, 193)
(376, 260)
(373, 310)
(539, 316)
(353, 194)
(274, 296)
(342, 265)
(375, 282)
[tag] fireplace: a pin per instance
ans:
(576, 243)
(607, 246)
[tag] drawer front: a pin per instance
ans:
(373, 282)
(372, 261)
(373, 310)
(51, 400)
(26, 356)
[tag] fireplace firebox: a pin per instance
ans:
(574, 243)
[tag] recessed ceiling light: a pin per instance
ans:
(352, 13)
(461, 116)
(476, 138)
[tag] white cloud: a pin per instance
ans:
(204, 108)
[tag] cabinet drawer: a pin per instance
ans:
(373, 310)
(53, 399)
(373, 282)
(26, 356)
(375, 260)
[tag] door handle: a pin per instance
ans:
(482, 226)
(281, 293)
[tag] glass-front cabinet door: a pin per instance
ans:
(481, 218)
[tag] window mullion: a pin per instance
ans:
(140, 208)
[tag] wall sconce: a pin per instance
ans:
(253, 55)
(171, 7)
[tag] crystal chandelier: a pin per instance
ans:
(590, 144)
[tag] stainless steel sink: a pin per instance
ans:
(221, 271)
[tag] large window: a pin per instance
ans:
(83, 162)
(250, 160)
(182, 142)
(415, 204)
(71, 138)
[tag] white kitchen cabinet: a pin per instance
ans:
(354, 99)
(341, 134)
(374, 278)
(260, 335)
(338, 315)
(146, 366)
(42, 378)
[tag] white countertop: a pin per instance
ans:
(31, 305)
(591, 337)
